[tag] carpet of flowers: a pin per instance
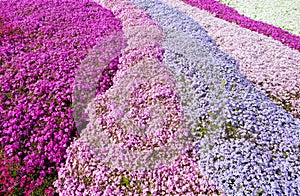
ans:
(192, 99)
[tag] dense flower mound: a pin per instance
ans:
(267, 63)
(85, 173)
(256, 149)
(231, 15)
(42, 44)
(134, 97)
(102, 60)
(279, 13)
(134, 127)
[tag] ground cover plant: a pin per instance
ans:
(134, 97)
(42, 43)
(255, 136)
(122, 113)
(278, 13)
(230, 14)
(278, 77)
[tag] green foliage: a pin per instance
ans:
(17, 191)
(125, 182)
(14, 172)
(49, 180)
(200, 130)
(39, 191)
(233, 86)
(230, 130)
(87, 180)
(285, 104)
(139, 187)
(260, 192)
(224, 83)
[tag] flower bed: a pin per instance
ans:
(134, 97)
(42, 44)
(231, 15)
(267, 63)
(247, 136)
(139, 112)
(278, 13)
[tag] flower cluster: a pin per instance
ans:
(85, 173)
(276, 12)
(102, 60)
(159, 109)
(257, 149)
(131, 102)
(267, 63)
(139, 113)
(231, 15)
(42, 44)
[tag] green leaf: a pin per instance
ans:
(125, 182)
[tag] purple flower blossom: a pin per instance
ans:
(42, 43)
